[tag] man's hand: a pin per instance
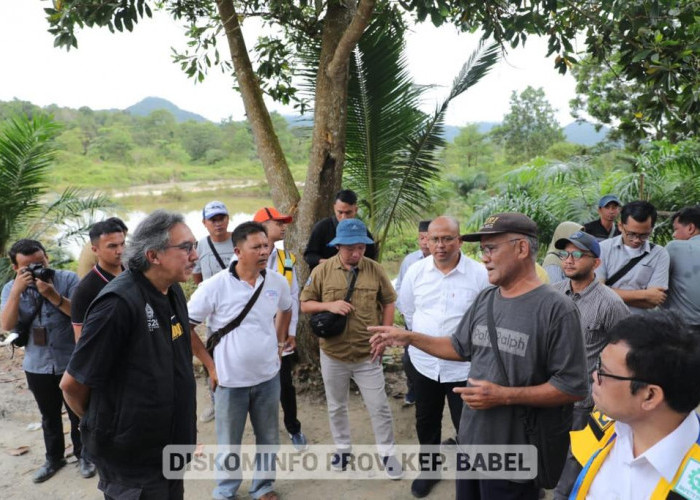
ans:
(340, 307)
(46, 289)
(385, 336)
(213, 378)
(23, 280)
(482, 394)
(656, 295)
(290, 344)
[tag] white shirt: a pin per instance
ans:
(623, 477)
(407, 262)
(294, 289)
(433, 303)
(246, 356)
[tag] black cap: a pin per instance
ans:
(506, 222)
(423, 226)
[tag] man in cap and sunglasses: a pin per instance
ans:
(600, 310)
(540, 347)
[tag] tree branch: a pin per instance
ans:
(352, 35)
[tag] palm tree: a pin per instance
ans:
(26, 210)
(392, 150)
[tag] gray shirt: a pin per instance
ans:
(540, 340)
(652, 270)
(600, 309)
(206, 264)
(684, 280)
(60, 341)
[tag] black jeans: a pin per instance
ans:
(571, 468)
(288, 395)
(49, 398)
(430, 402)
(474, 489)
(406, 360)
(117, 486)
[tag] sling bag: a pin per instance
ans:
(626, 268)
(545, 428)
(216, 337)
(326, 324)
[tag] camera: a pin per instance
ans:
(38, 271)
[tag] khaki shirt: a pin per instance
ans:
(329, 281)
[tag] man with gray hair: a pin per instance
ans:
(130, 377)
(528, 362)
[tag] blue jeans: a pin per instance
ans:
(232, 406)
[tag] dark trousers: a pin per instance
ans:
(571, 468)
(49, 398)
(288, 395)
(116, 486)
(406, 360)
(430, 402)
(474, 489)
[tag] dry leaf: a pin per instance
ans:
(20, 450)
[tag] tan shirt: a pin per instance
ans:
(329, 281)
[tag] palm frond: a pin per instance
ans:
(26, 152)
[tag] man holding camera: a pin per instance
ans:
(38, 302)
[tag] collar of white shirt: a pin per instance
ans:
(666, 455)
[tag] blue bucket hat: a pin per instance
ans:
(350, 232)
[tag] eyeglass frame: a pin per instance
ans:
(487, 250)
(563, 254)
(636, 236)
(187, 246)
(600, 374)
(445, 240)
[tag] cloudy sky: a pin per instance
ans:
(118, 70)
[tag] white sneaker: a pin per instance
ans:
(207, 415)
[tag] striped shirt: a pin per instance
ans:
(600, 309)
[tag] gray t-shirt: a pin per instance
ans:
(540, 340)
(207, 264)
(684, 282)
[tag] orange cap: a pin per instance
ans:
(271, 213)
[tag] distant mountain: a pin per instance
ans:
(584, 133)
(150, 104)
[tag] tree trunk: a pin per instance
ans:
(343, 25)
(285, 194)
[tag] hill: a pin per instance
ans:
(146, 106)
(584, 133)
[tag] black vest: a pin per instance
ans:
(131, 418)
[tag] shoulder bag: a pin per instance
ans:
(546, 428)
(327, 324)
(216, 337)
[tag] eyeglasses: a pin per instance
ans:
(487, 250)
(576, 254)
(636, 236)
(187, 246)
(445, 240)
(601, 374)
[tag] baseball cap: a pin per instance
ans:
(609, 198)
(583, 241)
(506, 222)
(350, 232)
(270, 213)
(214, 208)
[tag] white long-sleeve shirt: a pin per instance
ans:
(433, 303)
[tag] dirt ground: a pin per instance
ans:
(18, 411)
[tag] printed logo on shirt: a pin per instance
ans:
(509, 341)
(175, 328)
(601, 419)
(151, 320)
(272, 295)
(688, 485)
